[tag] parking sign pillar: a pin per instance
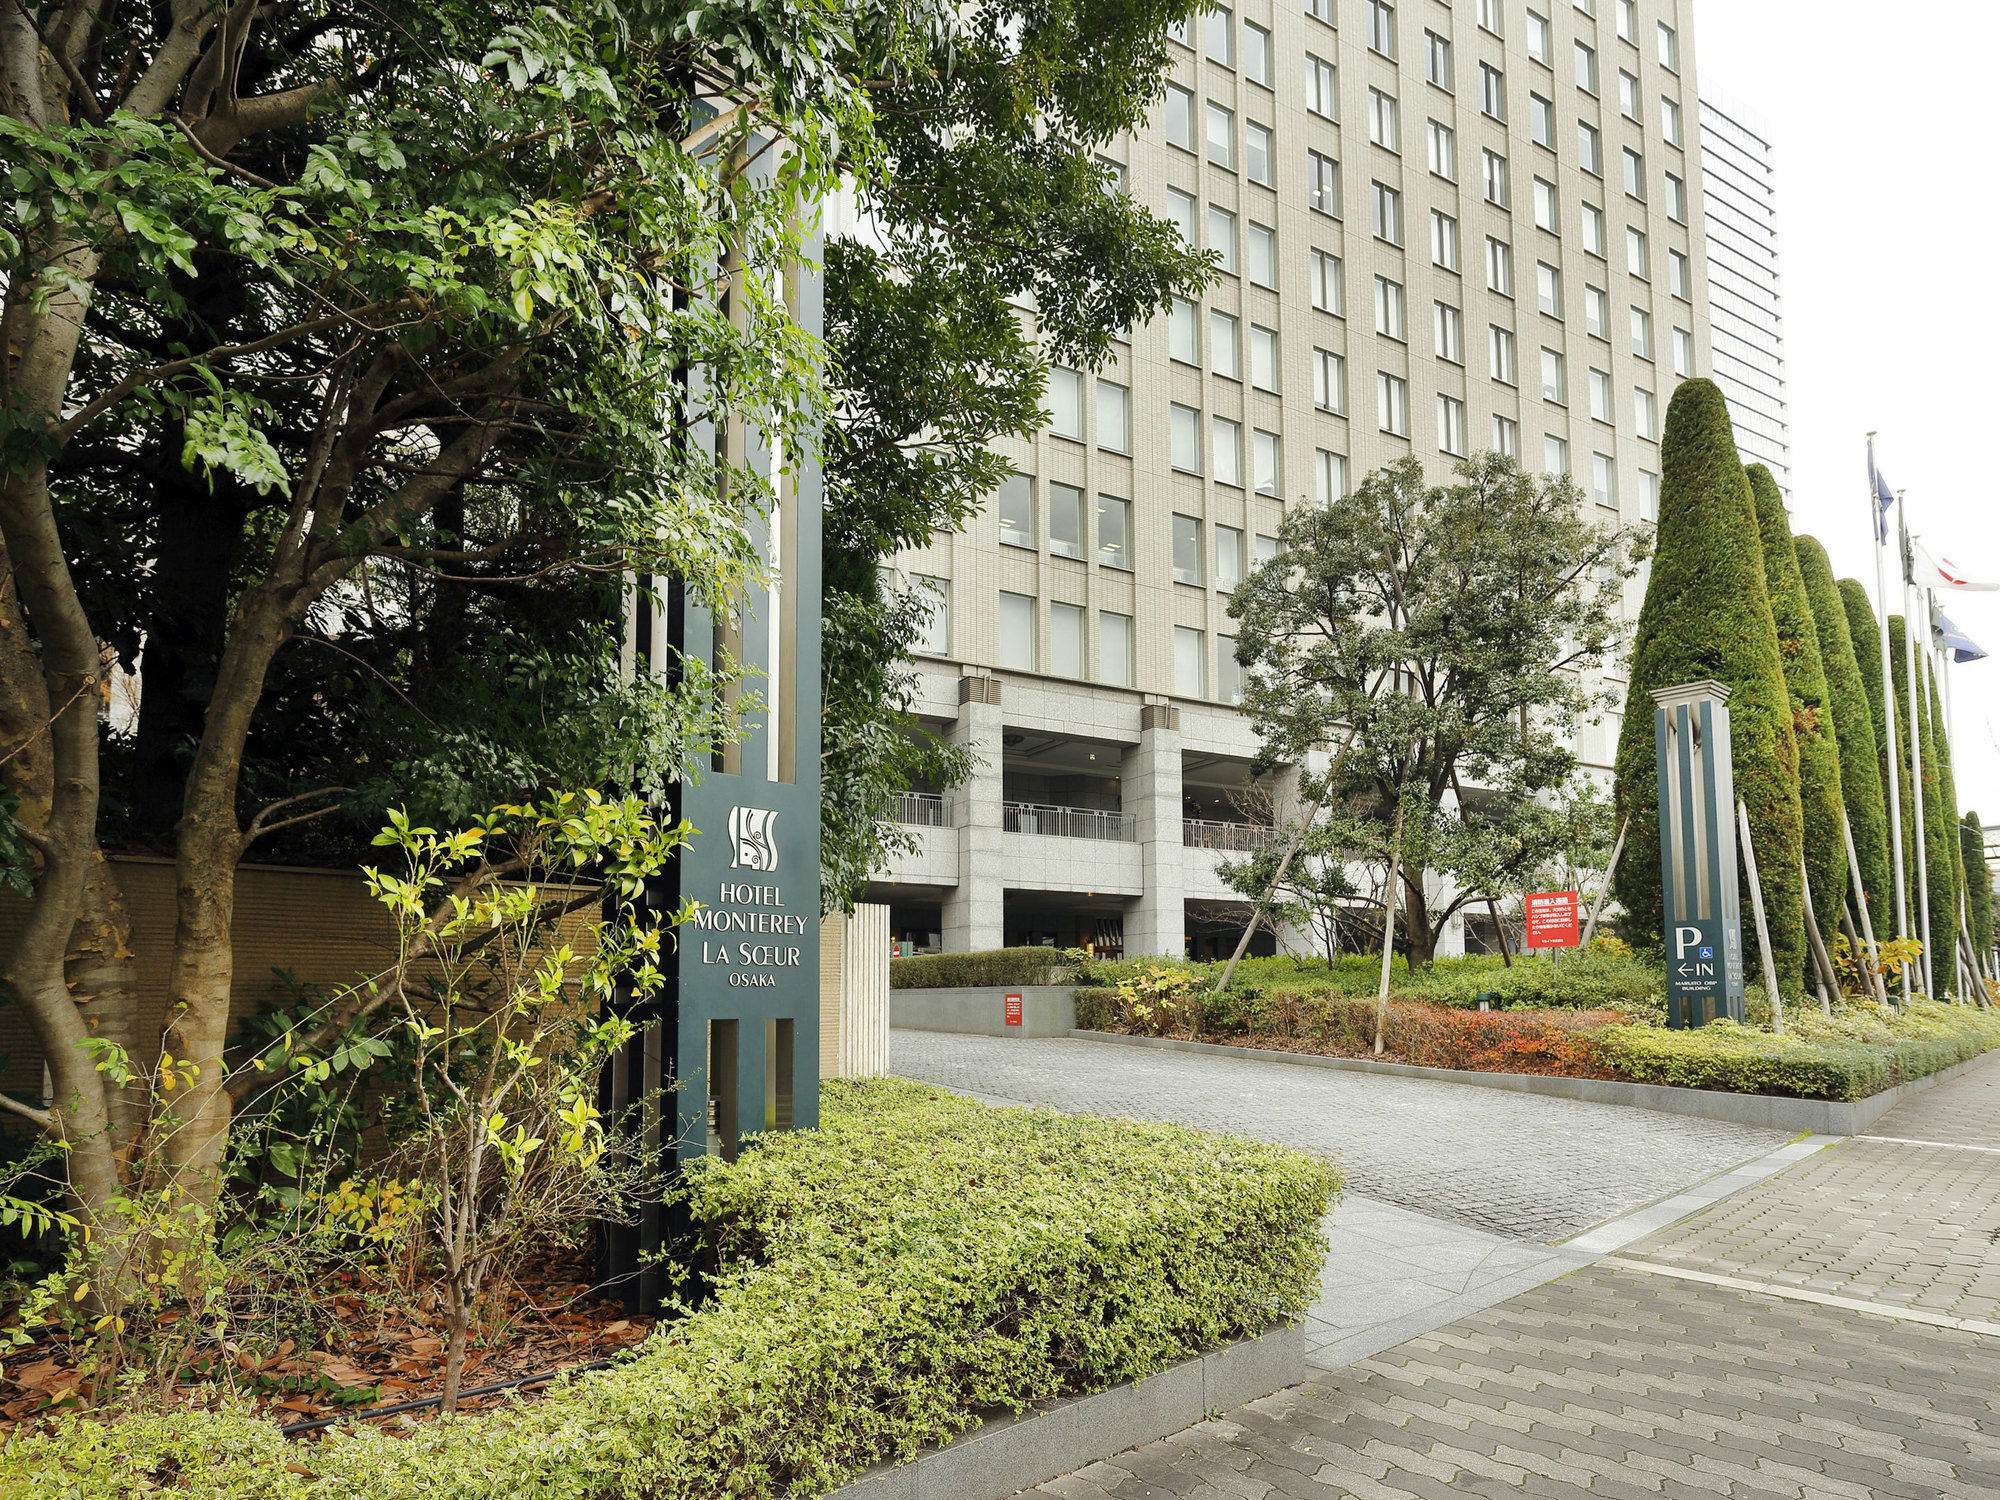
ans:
(1698, 879)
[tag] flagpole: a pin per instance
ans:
(1915, 718)
(1878, 528)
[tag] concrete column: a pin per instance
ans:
(975, 909)
(1156, 922)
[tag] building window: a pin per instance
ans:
(1189, 649)
(1628, 95)
(1384, 126)
(1542, 121)
(1180, 117)
(1628, 21)
(1389, 308)
(1489, 16)
(1596, 313)
(1600, 395)
(1645, 415)
(1670, 48)
(1450, 326)
(1635, 174)
(1184, 438)
(1323, 183)
(1677, 199)
(1322, 88)
(1555, 455)
(1017, 632)
(1114, 649)
(1547, 213)
(1325, 274)
(1392, 404)
(1499, 266)
(1222, 237)
(1065, 520)
(1451, 425)
(1228, 671)
(1670, 121)
(1642, 333)
(1388, 214)
(1541, 41)
(1065, 403)
(1555, 381)
(1492, 92)
(1382, 27)
(1267, 548)
(1678, 277)
(1494, 173)
(1114, 417)
(1261, 242)
(1221, 37)
(1507, 437)
(1437, 60)
(1267, 462)
(1228, 557)
(1443, 150)
(1683, 354)
(1187, 549)
(1224, 358)
(1221, 135)
(1329, 382)
(1586, 69)
(1184, 332)
(1256, 54)
(1593, 230)
(1329, 485)
(1181, 210)
(1014, 502)
(1257, 152)
(1603, 480)
(1548, 289)
(1228, 443)
(1649, 495)
(1500, 354)
(1589, 148)
(1114, 533)
(934, 636)
(1066, 639)
(1637, 261)
(1264, 358)
(1444, 240)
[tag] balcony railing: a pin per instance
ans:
(1066, 822)
(1235, 838)
(919, 809)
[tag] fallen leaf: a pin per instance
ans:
(425, 1347)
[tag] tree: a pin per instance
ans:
(1907, 788)
(1852, 720)
(1707, 615)
(1978, 889)
(992, 192)
(1867, 635)
(429, 305)
(1317, 895)
(1820, 809)
(1451, 628)
(1947, 868)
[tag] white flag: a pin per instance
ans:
(1943, 573)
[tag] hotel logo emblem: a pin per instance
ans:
(751, 838)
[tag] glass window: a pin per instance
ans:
(1645, 415)
(1444, 240)
(1683, 353)
(1628, 95)
(1600, 395)
(1586, 68)
(1190, 646)
(1181, 211)
(1628, 20)
(1388, 214)
(1225, 358)
(1489, 15)
(1555, 456)
(1228, 557)
(1261, 243)
(1555, 383)
(1642, 333)
(1256, 53)
(1384, 126)
(1228, 671)
(1437, 60)
(1596, 312)
(1670, 121)
(1114, 649)
(1222, 236)
(1257, 152)
(1267, 547)
(1114, 417)
(1635, 174)
(1227, 440)
(1495, 174)
(1547, 214)
(1637, 261)
(1492, 91)
(1589, 148)
(1541, 41)
(1649, 495)
(1500, 353)
(1180, 117)
(1507, 437)
(1323, 183)
(1548, 289)
(1322, 87)
(1322, 9)
(1264, 358)
(1329, 381)
(1443, 150)
(1677, 199)
(1499, 266)
(1392, 404)
(1066, 639)
(1184, 332)
(1670, 48)
(1267, 462)
(1389, 308)
(1450, 328)
(1678, 277)
(1382, 27)
(1065, 520)
(1542, 121)
(1017, 632)
(1187, 549)
(1329, 485)
(1326, 290)
(1184, 437)
(1220, 28)
(1593, 229)
(1114, 175)
(1065, 403)
(1603, 480)
(935, 637)
(1221, 135)
(1451, 425)
(1015, 504)
(1114, 532)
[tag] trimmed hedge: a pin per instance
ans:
(1853, 720)
(1812, 720)
(1941, 836)
(1708, 615)
(1906, 785)
(917, 1258)
(945, 971)
(1978, 885)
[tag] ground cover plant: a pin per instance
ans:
(880, 1280)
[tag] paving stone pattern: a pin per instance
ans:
(1608, 1384)
(1520, 1165)
(1966, 1110)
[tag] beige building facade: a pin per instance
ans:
(1443, 228)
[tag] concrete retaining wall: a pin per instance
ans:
(1046, 1010)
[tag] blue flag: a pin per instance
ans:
(1961, 646)
(1884, 496)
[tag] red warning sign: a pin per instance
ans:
(1552, 920)
(1013, 1010)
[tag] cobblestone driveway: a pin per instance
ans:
(1513, 1164)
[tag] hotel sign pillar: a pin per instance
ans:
(1698, 880)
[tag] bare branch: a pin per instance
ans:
(43, 1120)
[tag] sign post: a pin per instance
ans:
(1553, 921)
(1698, 880)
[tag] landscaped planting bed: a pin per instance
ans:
(916, 1262)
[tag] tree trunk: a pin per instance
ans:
(1417, 933)
(459, 1301)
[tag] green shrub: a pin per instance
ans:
(1097, 1008)
(1581, 981)
(942, 971)
(1978, 886)
(917, 1258)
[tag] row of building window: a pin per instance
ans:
(1383, 33)
(1015, 508)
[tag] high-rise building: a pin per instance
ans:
(1442, 228)
(1740, 223)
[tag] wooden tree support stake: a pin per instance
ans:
(1763, 929)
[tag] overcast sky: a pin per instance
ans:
(1892, 310)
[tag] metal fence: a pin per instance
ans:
(1236, 838)
(920, 809)
(1066, 822)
